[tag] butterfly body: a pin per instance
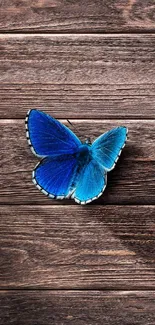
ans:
(84, 154)
(68, 167)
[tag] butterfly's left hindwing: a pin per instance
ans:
(107, 148)
(54, 176)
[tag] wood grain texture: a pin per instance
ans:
(81, 76)
(77, 16)
(108, 80)
(76, 307)
(131, 182)
(77, 247)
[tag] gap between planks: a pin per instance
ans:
(104, 290)
(55, 33)
(133, 119)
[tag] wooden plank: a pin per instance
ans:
(131, 182)
(77, 307)
(68, 101)
(107, 247)
(80, 16)
(89, 76)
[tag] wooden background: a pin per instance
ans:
(94, 63)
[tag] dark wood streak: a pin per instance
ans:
(131, 182)
(77, 307)
(90, 76)
(77, 247)
(77, 16)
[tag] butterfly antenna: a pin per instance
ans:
(74, 127)
(69, 122)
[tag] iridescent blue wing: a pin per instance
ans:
(107, 148)
(48, 137)
(54, 176)
(90, 184)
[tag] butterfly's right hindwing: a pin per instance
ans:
(91, 183)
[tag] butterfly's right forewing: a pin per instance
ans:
(107, 148)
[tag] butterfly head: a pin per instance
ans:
(88, 141)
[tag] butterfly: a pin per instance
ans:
(68, 167)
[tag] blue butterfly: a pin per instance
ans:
(70, 168)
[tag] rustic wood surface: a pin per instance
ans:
(106, 247)
(92, 62)
(80, 76)
(77, 307)
(131, 182)
(77, 16)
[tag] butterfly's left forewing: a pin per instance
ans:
(107, 148)
(48, 137)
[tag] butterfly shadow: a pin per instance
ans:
(137, 221)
